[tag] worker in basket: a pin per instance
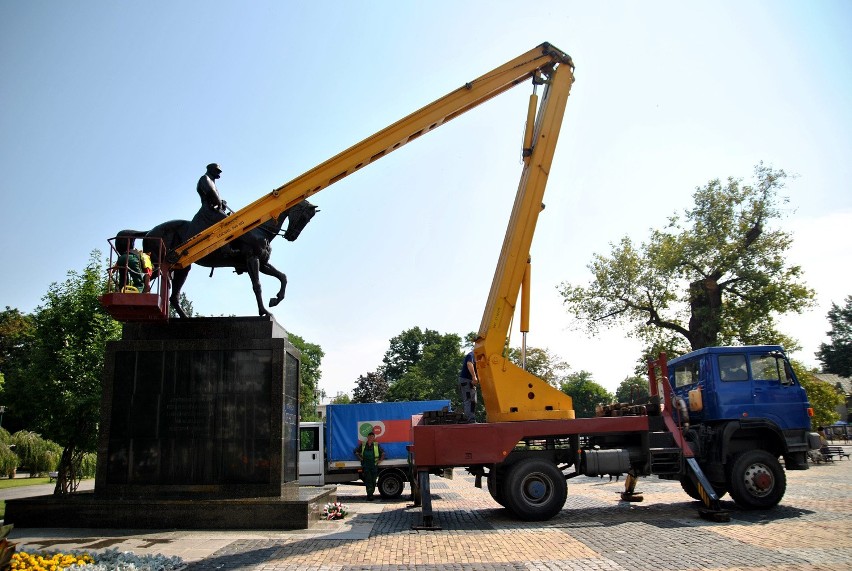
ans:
(130, 268)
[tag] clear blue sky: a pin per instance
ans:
(110, 110)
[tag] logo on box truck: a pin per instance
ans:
(386, 431)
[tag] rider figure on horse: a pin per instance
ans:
(213, 208)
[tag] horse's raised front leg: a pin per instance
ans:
(253, 268)
(270, 270)
(178, 279)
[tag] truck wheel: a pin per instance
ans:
(390, 485)
(535, 490)
(692, 491)
(495, 488)
(756, 480)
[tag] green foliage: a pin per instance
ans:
(632, 389)
(310, 374)
(541, 363)
(341, 398)
(717, 275)
(9, 461)
(823, 397)
(7, 548)
(371, 387)
(16, 330)
(405, 351)
(89, 465)
(423, 365)
(38, 455)
(836, 356)
(585, 393)
(59, 390)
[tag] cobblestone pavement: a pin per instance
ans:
(810, 530)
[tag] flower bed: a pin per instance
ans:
(109, 560)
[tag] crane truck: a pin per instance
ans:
(711, 433)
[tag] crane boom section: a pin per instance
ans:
(493, 83)
(511, 393)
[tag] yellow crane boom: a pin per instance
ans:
(510, 393)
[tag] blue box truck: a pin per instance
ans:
(327, 449)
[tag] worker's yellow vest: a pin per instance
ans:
(375, 449)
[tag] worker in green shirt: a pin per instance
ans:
(370, 453)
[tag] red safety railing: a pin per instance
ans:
(132, 293)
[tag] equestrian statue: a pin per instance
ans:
(249, 253)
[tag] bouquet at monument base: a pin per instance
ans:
(335, 510)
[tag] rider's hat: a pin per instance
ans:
(214, 167)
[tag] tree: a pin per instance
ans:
(632, 389)
(40, 456)
(541, 363)
(823, 397)
(423, 365)
(371, 387)
(405, 350)
(836, 356)
(59, 390)
(16, 330)
(341, 398)
(716, 275)
(585, 393)
(309, 374)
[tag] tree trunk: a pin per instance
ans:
(69, 475)
(705, 301)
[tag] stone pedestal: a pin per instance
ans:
(199, 429)
(204, 407)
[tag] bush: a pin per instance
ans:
(40, 456)
(8, 460)
(89, 465)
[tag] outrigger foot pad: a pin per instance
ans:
(632, 497)
(720, 516)
(426, 524)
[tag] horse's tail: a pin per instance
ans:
(131, 233)
(125, 240)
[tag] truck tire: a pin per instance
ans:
(756, 480)
(391, 485)
(495, 488)
(692, 491)
(535, 490)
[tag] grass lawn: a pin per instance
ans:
(18, 482)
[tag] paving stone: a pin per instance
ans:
(811, 530)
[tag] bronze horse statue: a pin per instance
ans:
(249, 253)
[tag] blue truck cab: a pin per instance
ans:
(736, 383)
(741, 410)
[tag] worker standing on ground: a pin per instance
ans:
(468, 380)
(370, 453)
